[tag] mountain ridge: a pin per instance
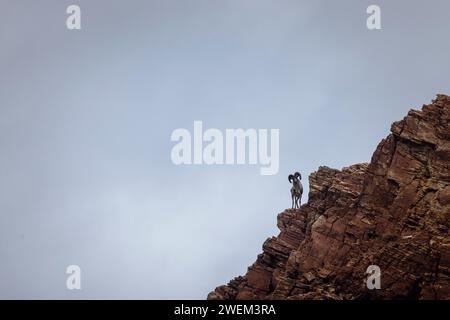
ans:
(393, 212)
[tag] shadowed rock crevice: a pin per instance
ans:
(393, 212)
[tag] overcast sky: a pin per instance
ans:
(86, 116)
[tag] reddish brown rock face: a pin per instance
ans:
(393, 212)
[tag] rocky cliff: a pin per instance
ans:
(393, 212)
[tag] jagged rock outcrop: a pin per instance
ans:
(393, 212)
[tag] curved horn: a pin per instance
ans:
(298, 175)
(290, 177)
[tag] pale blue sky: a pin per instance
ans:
(86, 118)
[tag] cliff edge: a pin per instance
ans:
(393, 212)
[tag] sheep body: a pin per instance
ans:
(296, 190)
